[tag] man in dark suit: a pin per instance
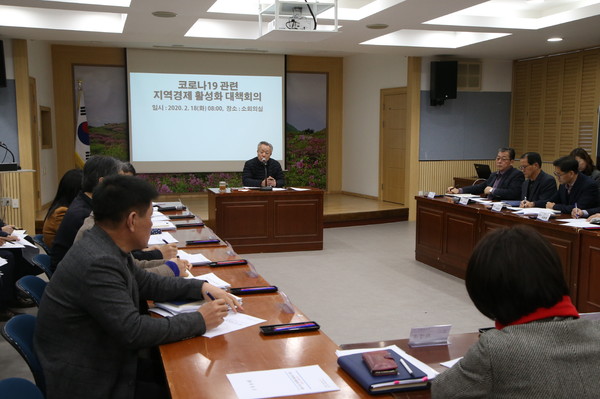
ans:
(91, 329)
(262, 171)
(538, 185)
(576, 190)
(505, 183)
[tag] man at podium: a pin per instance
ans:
(262, 171)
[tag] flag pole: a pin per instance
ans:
(82, 136)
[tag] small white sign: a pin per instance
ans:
(429, 336)
(497, 207)
(544, 215)
(431, 194)
(463, 200)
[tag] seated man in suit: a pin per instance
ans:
(538, 185)
(576, 190)
(505, 183)
(262, 171)
(95, 169)
(91, 326)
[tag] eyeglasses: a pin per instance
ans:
(524, 167)
(502, 159)
(559, 174)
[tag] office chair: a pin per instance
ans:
(39, 240)
(18, 332)
(33, 286)
(19, 388)
(44, 262)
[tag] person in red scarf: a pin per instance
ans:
(540, 347)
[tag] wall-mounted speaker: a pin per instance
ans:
(443, 81)
(2, 66)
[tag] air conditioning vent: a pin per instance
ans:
(469, 76)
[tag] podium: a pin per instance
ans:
(267, 221)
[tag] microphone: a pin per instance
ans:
(8, 166)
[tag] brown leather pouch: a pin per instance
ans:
(380, 363)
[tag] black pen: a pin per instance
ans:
(208, 294)
(165, 241)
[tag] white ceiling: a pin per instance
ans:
(510, 29)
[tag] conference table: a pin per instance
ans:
(268, 221)
(447, 233)
(198, 367)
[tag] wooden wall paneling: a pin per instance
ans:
(519, 106)
(587, 129)
(550, 121)
(26, 133)
(535, 106)
(569, 107)
(333, 66)
(567, 99)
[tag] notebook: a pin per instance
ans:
(483, 170)
(403, 381)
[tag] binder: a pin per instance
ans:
(403, 381)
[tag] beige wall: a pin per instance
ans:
(40, 67)
(364, 77)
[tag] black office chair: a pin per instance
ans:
(19, 388)
(33, 287)
(39, 240)
(18, 332)
(44, 262)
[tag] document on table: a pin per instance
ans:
(212, 279)
(451, 363)
(159, 239)
(156, 215)
(582, 223)
(462, 195)
(531, 211)
(431, 373)
(281, 382)
(194, 259)
(233, 322)
(299, 189)
(163, 225)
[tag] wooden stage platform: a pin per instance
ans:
(339, 210)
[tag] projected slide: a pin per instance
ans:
(202, 123)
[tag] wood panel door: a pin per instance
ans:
(393, 145)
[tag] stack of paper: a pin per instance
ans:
(212, 279)
(163, 225)
(159, 239)
(194, 259)
(176, 307)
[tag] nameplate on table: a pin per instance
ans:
(463, 200)
(497, 207)
(544, 215)
(429, 336)
(431, 194)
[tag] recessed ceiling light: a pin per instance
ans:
(164, 14)
(555, 39)
(377, 26)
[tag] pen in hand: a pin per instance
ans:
(208, 294)
(524, 202)
(576, 211)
